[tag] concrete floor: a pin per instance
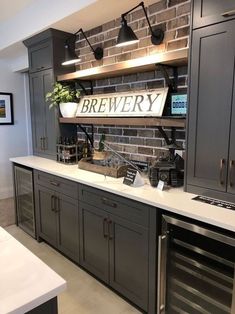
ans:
(84, 294)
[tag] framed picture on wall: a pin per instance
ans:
(6, 108)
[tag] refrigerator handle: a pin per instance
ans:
(161, 273)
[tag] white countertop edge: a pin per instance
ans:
(40, 300)
(24, 300)
(200, 211)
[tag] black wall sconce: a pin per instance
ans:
(126, 35)
(70, 55)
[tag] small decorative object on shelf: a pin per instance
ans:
(68, 151)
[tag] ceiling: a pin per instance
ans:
(11, 8)
(87, 17)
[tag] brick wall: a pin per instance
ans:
(173, 16)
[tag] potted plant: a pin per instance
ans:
(65, 97)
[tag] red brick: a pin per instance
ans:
(159, 6)
(177, 44)
(166, 15)
(184, 9)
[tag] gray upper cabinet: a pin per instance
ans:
(40, 57)
(231, 170)
(207, 12)
(210, 131)
(45, 52)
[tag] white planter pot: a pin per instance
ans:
(68, 109)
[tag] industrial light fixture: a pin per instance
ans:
(126, 35)
(70, 55)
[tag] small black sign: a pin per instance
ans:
(211, 201)
(130, 176)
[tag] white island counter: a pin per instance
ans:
(173, 200)
(25, 281)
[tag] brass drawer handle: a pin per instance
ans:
(54, 183)
(228, 13)
(53, 203)
(222, 164)
(105, 231)
(231, 164)
(105, 201)
(111, 229)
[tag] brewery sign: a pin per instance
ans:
(136, 104)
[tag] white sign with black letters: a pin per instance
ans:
(147, 103)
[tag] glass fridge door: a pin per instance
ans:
(24, 199)
(198, 265)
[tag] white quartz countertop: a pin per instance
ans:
(25, 281)
(174, 200)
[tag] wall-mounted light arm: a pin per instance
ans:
(70, 56)
(126, 35)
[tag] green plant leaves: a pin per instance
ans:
(62, 94)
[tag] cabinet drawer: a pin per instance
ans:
(207, 12)
(40, 57)
(57, 184)
(120, 206)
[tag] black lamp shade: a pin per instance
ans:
(70, 56)
(126, 35)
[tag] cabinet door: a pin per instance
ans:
(45, 203)
(231, 172)
(44, 121)
(94, 241)
(129, 260)
(206, 12)
(68, 226)
(40, 56)
(211, 85)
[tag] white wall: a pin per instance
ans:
(14, 138)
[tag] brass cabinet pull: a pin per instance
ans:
(231, 164)
(53, 203)
(111, 229)
(41, 143)
(54, 183)
(57, 205)
(107, 202)
(105, 231)
(44, 143)
(222, 164)
(228, 13)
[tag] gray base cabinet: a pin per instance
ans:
(117, 248)
(128, 256)
(57, 215)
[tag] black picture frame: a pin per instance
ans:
(6, 108)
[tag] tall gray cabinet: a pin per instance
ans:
(45, 53)
(211, 118)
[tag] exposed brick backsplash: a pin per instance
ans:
(173, 16)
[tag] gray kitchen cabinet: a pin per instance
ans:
(210, 128)
(45, 53)
(57, 215)
(129, 260)
(45, 213)
(117, 246)
(207, 12)
(94, 244)
(45, 128)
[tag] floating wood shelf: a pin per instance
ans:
(135, 121)
(173, 58)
